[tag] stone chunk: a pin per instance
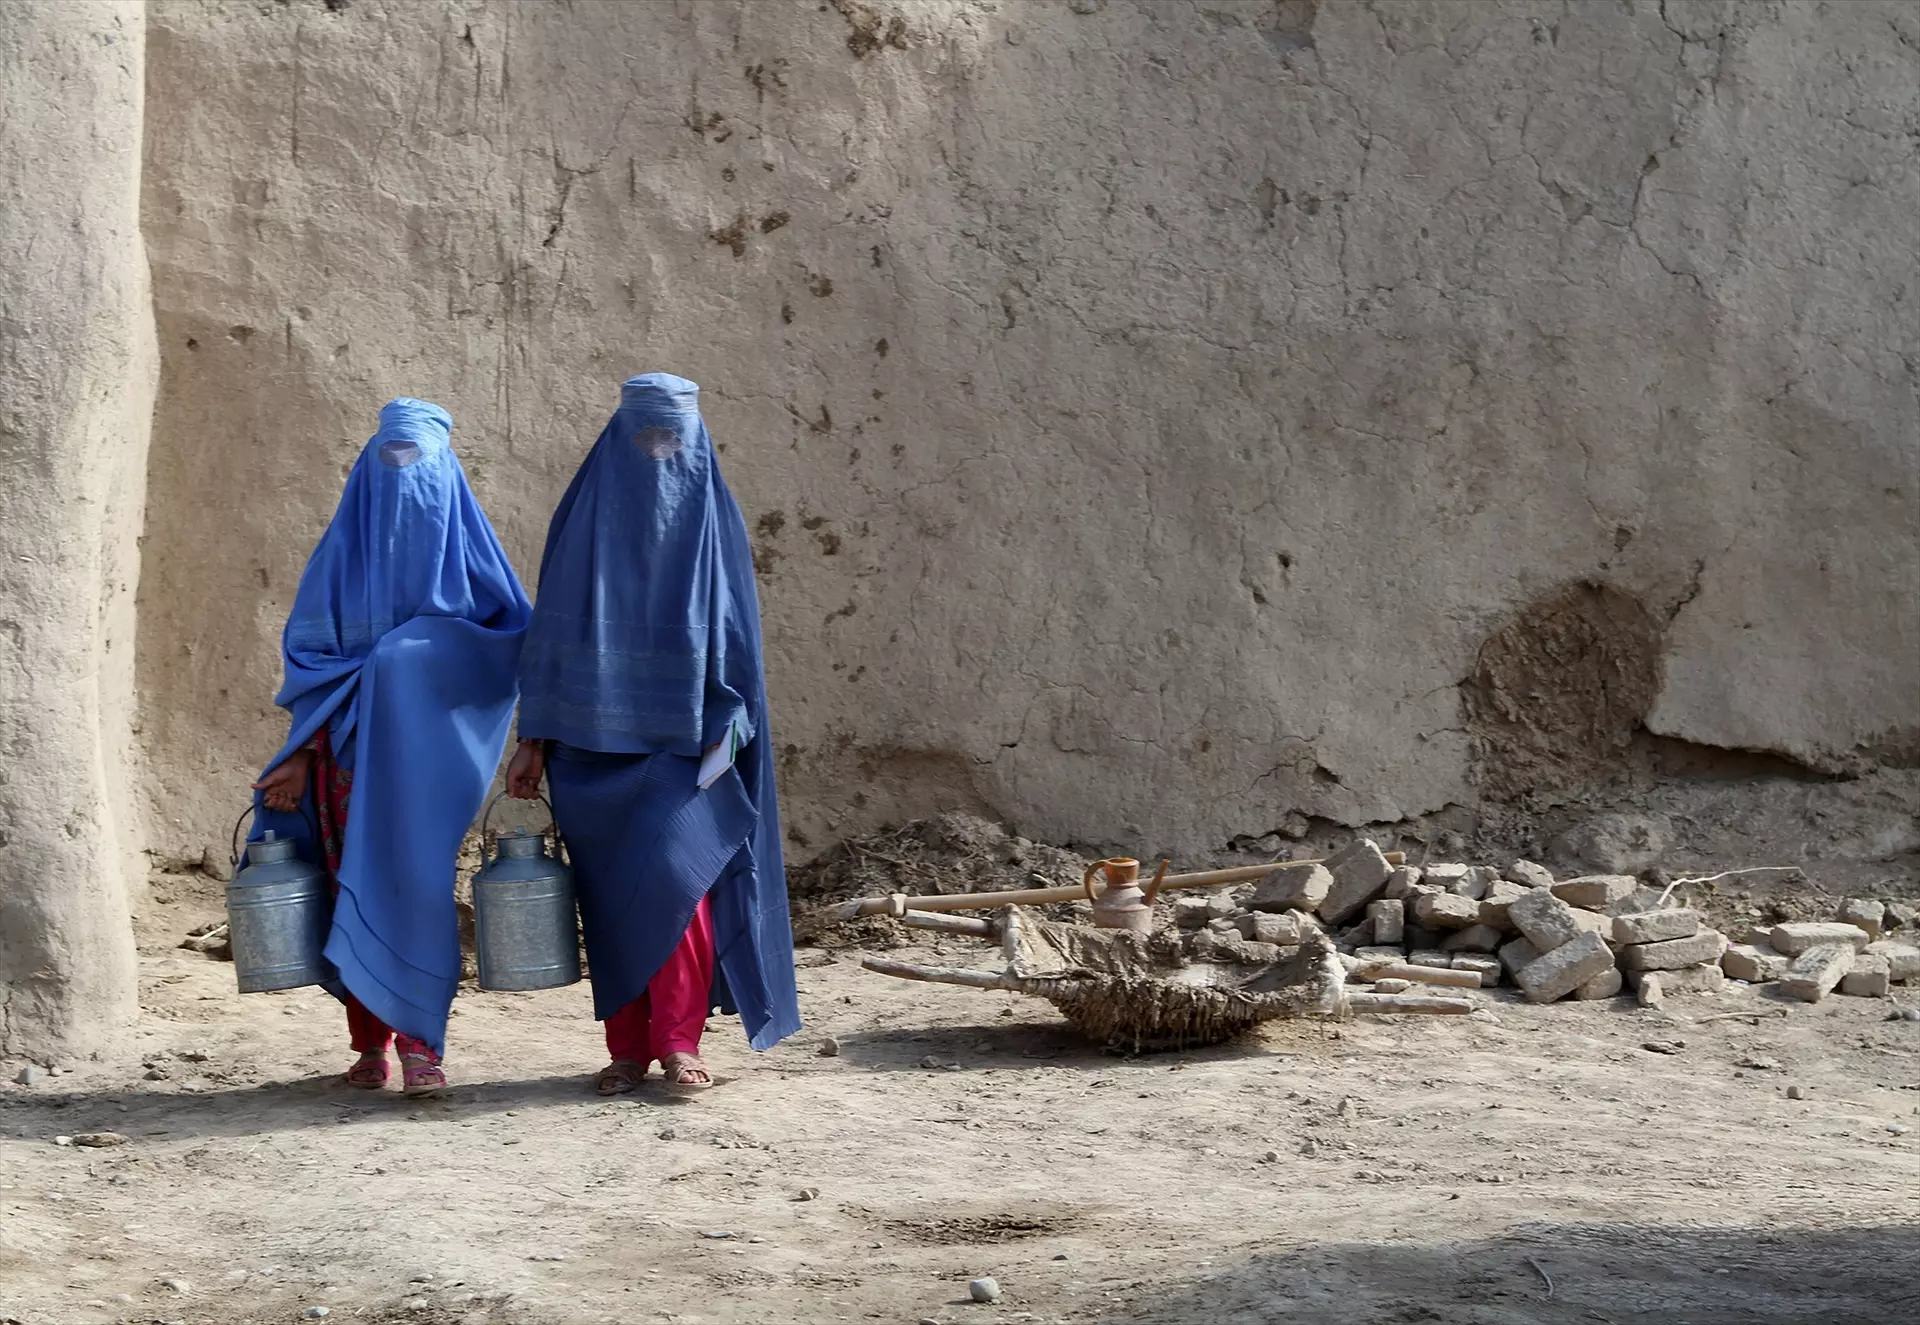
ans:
(1755, 964)
(1869, 978)
(1474, 883)
(1900, 915)
(1380, 953)
(1392, 986)
(1446, 911)
(1528, 875)
(1566, 968)
(1817, 970)
(1430, 957)
(1265, 927)
(1360, 875)
(1641, 899)
(1488, 968)
(1794, 939)
(1604, 985)
(1401, 882)
(1501, 895)
(1869, 915)
(1650, 992)
(1474, 938)
(1389, 920)
(1656, 926)
(1444, 876)
(1545, 919)
(1687, 980)
(1903, 959)
(1193, 912)
(1293, 890)
(1515, 954)
(1706, 946)
(1595, 892)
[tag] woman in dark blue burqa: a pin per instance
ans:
(643, 702)
(400, 654)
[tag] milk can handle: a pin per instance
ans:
(559, 847)
(306, 812)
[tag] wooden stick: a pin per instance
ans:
(945, 924)
(878, 906)
(1729, 1016)
(1389, 1003)
(945, 975)
(1426, 975)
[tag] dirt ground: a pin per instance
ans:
(1534, 1164)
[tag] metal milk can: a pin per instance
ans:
(526, 934)
(279, 911)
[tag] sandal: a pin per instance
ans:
(620, 1077)
(370, 1070)
(686, 1072)
(422, 1076)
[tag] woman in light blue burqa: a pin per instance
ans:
(400, 654)
(643, 701)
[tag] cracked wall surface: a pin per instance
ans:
(1146, 411)
(76, 390)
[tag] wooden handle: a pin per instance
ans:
(1389, 1003)
(1426, 975)
(946, 924)
(944, 975)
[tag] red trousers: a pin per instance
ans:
(332, 792)
(669, 1017)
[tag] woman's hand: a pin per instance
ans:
(285, 783)
(523, 774)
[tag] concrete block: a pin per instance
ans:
(1293, 890)
(1594, 921)
(1595, 892)
(1382, 952)
(1501, 894)
(1474, 883)
(1515, 954)
(1191, 912)
(1754, 963)
(1709, 979)
(1391, 986)
(1446, 911)
(1656, 926)
(1360, 875)
(1604, 985)
(1566, 968)
(1474, 938)
(1389, 918)
(1869, 915)
(1794, 939)
(1869, 978)
(1903, 959)
(1270, 927)
(1528, 875)
(1401, 882)
(1640, 899)
(1545, 919)
(1709, 945)
(1430, 957)
(1488, 967)
(1817, 970)
(1444, 876)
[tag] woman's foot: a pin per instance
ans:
(422, 1075)
(686, 1072)
(369, 1071)
(620, 1077)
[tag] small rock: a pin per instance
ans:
(30, 1075)
(156, 1073)
(1271, 1157)
(1910, 1014)
(1665, 1046)
(718, 1234)
(829, 1048)
(1759, 1063)
(1898, 1129)
(63, 1140)
(983, 1290)
(930, 1062)
(177, 1285)
(194, 1056)
(415, 1304)
(1796, 1092)
(317, 1313)
(807, 1194)
(99, 1140)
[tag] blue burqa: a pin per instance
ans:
(644, 653)
(403, 639)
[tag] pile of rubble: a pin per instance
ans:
(1590, 937)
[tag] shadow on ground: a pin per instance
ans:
(1547, 1274)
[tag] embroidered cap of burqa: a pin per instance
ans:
(403, 639)
(645, 651)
